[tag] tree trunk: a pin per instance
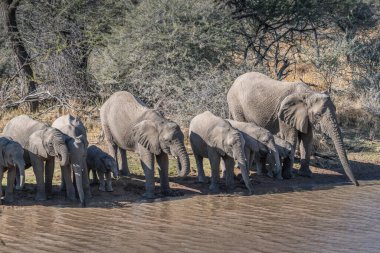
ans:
(8, 10)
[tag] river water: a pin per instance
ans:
(342, 219)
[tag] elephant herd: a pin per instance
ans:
(268, 118)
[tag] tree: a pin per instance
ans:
(8, 9)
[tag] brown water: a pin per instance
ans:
(344, 219)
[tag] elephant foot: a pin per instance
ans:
(8, 198)
(40, 196)
(18, 187)
(214, 188)
(149, 195)
(62, 187)
(231, 187)
(287, 174)
(202, 180)
(270, 174)
(279, 176)
(305, 172)
(71, 197)
(109, 189)
(171, 193)
(102, 188)
(87, 194)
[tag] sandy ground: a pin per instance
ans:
(326, 174)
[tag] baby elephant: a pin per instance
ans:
(214, 138)
(260, 145)
(11, 159)
(100, 163)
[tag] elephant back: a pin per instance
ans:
(21, 127)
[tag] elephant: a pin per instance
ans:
(41, 144)
(128, 124)
(75, 137)
(101, 164)
(289, 108)
(11, 159)
(214, 138)
(260, 144)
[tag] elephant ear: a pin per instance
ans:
(147, 135)
(293, 111)
(36, 145)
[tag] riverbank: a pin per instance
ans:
(327, 174)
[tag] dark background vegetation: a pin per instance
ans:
(181, 56)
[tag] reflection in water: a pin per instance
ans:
(345, 219)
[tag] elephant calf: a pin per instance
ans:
(260, 145)
(75, 137)
(11, 159)
(214, 138)
(101, 164)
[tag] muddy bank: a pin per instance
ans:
(326, 175)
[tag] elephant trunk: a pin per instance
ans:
(78, 173)
(274, 160)
(183, 162)
(61, 149)
(335, 134)
(21, 168)
(242, 163)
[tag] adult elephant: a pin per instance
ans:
(292, 109)
(76, 140)
(128, 124)
(41, 145)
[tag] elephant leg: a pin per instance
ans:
(38, 169)
(86, 182)
(229, 163)
(237, 114)
(1, 180)
(214, 158)
(124, 162)
(102, 183)
(201, 173)
(10, 184)
(223, 168)
(95, 179)
(112, 147)
(49, 172)
(147, 163)
(18, 181)
(259, 164)
(163, 166)
(109, 182)
(305, 152)
(63, 184)
(66, 178)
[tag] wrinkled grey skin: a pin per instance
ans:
(76, 140)
(286, 152)
(101, 164)
(259, 145)
(129, 125)
(214, 138)
(41, 145)
(11, 159)
(292, 109)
